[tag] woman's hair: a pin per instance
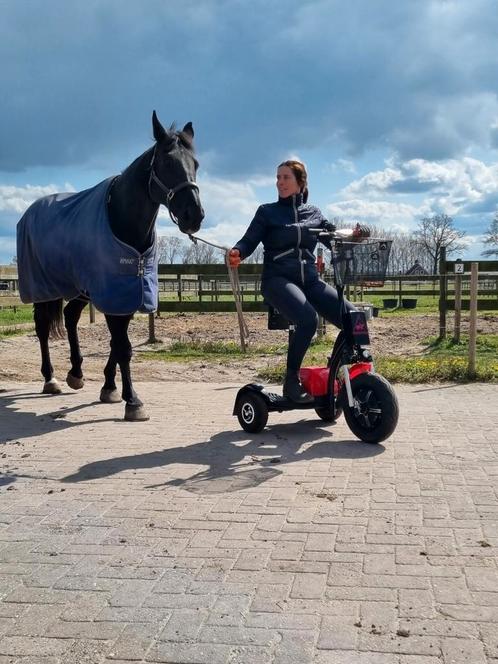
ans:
(300, 174)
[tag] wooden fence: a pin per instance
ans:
(207, 287)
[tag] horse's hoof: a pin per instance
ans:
(109, 396)
(135, 414)
(51, 387)
(73, 382)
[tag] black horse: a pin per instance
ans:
(54, 266)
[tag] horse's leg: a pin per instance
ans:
(72, 313)
(122, 352)
(42, 329)
(109, 392)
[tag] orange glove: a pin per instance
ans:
(234, 258)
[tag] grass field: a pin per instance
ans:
(15, 319)
(443, 361)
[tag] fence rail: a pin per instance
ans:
(210, 288)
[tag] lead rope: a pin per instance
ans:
(233, 274)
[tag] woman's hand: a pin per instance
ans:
(234, 258)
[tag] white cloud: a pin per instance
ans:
(18, 199)
(452, 186)
(383, 213)
(467, 176)
(229, 207)
(345, 165)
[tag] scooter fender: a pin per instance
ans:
(359, 368)
(250, 387)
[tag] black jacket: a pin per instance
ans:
(283, 228)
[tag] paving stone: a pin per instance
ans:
(187, 653)
(33, 646)
(134, 641)
(294, 647)
(458, 651)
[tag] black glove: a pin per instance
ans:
(329, 226)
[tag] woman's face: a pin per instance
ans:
(286, 182)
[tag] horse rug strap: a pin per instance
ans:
(65, 248)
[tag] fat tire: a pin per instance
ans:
(380, 410)
(252, 412)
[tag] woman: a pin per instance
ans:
(290, 281)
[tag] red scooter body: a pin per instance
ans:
(315, 379)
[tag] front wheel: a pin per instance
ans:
(375, 412)
(252, 412)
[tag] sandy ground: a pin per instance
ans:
(20, 358)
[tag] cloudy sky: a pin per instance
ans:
(392, 105)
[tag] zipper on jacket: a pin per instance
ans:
(298, 247)
(141, 262)
(282, 254)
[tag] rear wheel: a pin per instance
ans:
(327, 414)
(374, 415)
(252, 412)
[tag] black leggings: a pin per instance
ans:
(300, 306)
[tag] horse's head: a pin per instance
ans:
(172, 175)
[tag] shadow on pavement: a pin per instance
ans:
(16, 423)
(233, 460)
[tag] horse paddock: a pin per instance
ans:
(20, 359)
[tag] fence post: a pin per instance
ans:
(458, 299)
(474, 279)
(179, 278)
(152, 330)
(442, 294)
(91, 310)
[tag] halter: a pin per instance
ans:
(169, 192)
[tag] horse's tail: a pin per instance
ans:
(50, 314)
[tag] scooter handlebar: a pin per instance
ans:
(356, 234)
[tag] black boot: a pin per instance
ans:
(293, 388)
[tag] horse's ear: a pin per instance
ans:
(159, 130)
(188, 129)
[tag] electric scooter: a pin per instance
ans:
(348, 383)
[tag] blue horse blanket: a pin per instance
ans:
(65, 248)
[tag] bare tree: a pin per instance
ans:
(405, 252)
(169, 248)
(491, 238)
(199, 252)
(436, 232)
(256, 256)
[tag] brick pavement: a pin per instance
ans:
(185, 540)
